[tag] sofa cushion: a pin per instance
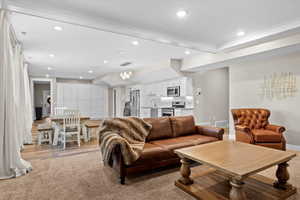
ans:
(184, 125)
(183, 141)
(262, 135)
(152, 153)
(161, 128)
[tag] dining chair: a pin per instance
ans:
(59, 111)
(71, 127)
(44, 133)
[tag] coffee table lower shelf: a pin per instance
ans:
(210, 184)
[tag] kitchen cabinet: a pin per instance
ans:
(183, 111)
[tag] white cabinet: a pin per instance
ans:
(145, 112)
(183, 112)
(90, 100)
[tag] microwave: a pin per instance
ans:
(173, 91)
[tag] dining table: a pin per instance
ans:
(57, 122)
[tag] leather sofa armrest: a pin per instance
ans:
(243, 128)
(210, 131)
(275, 128)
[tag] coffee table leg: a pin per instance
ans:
(236, 192)
(185, 172)
(282, 175)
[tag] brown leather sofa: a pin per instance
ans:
(167, 134)
(252, 126)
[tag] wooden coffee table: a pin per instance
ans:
(235, 163)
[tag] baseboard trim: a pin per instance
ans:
(293, 147)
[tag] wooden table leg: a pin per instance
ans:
(283, 176)
(185, 172)
(236, 192)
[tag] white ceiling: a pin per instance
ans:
(78, 50)
(211, 25)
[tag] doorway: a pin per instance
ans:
(41, 98)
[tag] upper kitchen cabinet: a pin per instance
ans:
(184, 83)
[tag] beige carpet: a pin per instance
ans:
(80, 174)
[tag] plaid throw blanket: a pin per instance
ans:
(130, 133)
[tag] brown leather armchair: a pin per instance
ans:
(252, 126)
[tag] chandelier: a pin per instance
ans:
(125, 75)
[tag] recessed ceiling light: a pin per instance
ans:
(240, 33)
(121, 52)
(105, 61)
(181, 14)
(47, 75)
(57, 28)
(49, 68)
(135, 43)
(187, 52)
(51, 55)
(90, 71)
(80, 77)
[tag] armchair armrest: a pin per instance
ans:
(275, 128)
(243, 128)
(210, 131)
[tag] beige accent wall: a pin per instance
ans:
(245, 81)
(213, 103)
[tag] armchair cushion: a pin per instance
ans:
(263, 135)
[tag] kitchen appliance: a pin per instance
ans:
(167, 112)
(178, 104)
(173, 91)
(135, 103)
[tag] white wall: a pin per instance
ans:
(245, 81)
(213, 103)
(90, 99)
(38, 93)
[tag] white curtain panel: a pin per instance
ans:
(11, 131)
(27, 107)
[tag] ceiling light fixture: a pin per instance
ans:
(181, 14)
(57, 28)
(187, 52)
(135, 43)
(240, 33)
(49, 68)
(105, 61)
(51, 55)
(80, 77)
(90, 71)
(47, 75)
(125, 75)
